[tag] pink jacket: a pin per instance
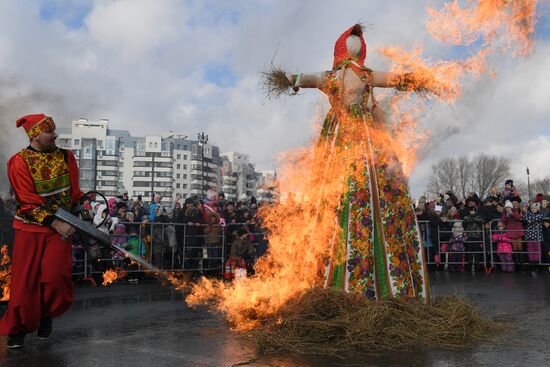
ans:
(504, 244)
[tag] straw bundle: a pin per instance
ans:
(328, 321)
(275, 83)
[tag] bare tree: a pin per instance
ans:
(542, 186)
(444, 175)
(465, 171)
(433, 185)
(489, 170)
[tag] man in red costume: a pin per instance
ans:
(44, 178)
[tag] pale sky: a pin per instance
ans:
(189, 66)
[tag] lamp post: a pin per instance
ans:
(528, 184)
(203, 139)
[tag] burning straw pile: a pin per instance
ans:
(329, 321)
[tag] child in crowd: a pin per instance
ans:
(456, 248)
(242, 248)
(504, 248)
(136, 247)
(533, 232)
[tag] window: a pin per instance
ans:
(179, 156)
(77, 142)
(178, 176)
(140, 148)
(185, 147)
(87, 153)
(178, 186)
(178, 166)
(184, 186)
(184, 176)
(184, 166)
(156, 145)
(185, 156)
(110, 146)
(100, 144)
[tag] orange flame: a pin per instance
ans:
(303, 223)
(111, 275)
(510, 22)
(5, 274)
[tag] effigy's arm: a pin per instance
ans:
(278, 82)
(308, 80)
(404, 81)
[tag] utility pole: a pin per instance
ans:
(528, 185)
(203, 139)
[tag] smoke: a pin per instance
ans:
(18, 99)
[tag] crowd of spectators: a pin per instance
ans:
(193, 234)
(458, 234)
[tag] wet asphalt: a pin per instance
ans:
(150, 325)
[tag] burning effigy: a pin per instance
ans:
(345, 265)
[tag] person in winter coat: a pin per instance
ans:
(102, 212)
(546, 242)
(545, 206)
(504, 247)
(533, 232)
(509, 190)
(242, 248)
(456, 248)
(213, 234)
(189, 235)
(512, 219)
(473, 226)
(429, 222)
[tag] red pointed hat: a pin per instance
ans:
(35, 124)
(341, 50)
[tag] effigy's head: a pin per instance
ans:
(350, 46)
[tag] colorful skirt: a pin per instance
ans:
(378, 252)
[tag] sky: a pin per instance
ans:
(188, 65)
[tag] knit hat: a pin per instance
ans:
(36, 124)
(508, 204)
(189, 201)
(438, 208)
(515, 198)
(509, 182)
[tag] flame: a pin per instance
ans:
(111, 275)
(303, 223)
(511, 23)
(5, 273)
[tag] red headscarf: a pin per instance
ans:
(341, 50)
(36, 124)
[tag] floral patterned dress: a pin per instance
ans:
(378, 252)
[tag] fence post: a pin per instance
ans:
(183, 254)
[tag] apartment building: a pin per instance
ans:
(166, 164)
(238, 176)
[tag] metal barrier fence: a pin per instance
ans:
(171, 247)
(481, 248)
(204, 248)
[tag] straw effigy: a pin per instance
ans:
(329, 321)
